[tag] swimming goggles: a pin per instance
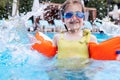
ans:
(77, 14)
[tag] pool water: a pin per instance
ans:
(101, 37)
(19, 62)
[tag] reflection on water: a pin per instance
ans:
(96, 70)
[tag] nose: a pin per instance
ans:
(74, 17)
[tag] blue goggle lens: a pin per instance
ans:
(80, 14)
(70, 14)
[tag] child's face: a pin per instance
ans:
(73, 22)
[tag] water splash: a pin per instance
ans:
(107, 27)
(17, 60)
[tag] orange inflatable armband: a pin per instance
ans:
(45, 46)
(105, 50)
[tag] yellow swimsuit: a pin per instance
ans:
(73, 54)
(73, 48)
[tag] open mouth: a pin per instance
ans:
(73, 22)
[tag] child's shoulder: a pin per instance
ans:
(57, 35)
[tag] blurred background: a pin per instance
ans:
(24, 6)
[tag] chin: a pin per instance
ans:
(76, 26)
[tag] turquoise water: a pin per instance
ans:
(101, 37)
(19, 62)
